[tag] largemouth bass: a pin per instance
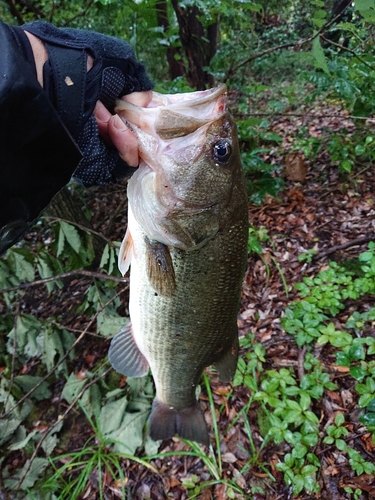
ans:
(186, 243)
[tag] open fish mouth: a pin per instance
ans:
(174, 115)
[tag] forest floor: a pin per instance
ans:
(326, 212)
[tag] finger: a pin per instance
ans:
(102, 116)
(123, 140)
(139, 98)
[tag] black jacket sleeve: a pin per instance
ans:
(37, 152)
(49, 135)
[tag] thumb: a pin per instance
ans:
(124, 140)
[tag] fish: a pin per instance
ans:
(186, 245)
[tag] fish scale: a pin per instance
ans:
(202, 304)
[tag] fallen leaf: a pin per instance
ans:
(295, 167)
(229, 458)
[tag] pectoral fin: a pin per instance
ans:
(126, 253)
(160, 269)
(125, 356)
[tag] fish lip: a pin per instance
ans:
(211, 95)
(191, 98)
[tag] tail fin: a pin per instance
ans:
(188, 423)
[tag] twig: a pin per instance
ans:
(80, 14)
(343, 246)
(74, 330)
(81, 226)
(367, 167)
(351, 51)
(301, 360)
(302, 115)
(65, 355)
(79, 272)
(233, 69)
(15, 12)
(52, 12)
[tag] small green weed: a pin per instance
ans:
(74, 470)
(286, 401)
(311, 320)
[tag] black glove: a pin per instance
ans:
(74, 92)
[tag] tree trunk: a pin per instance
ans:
(343, 13)
(176, 66)
(199, 44)
(20, 8)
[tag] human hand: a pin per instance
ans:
(115, 132)
(108, 147)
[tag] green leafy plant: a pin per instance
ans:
(310, 320)
(369, 417)
(336, 431)
(73, 471)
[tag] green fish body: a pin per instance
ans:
(186, 244)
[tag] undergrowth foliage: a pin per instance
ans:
(287, 399)
(36, 356)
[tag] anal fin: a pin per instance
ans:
(227, 364)
(160, 268)
(125, 356)
(188, 423)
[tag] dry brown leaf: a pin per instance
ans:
(220, 492)
(365, 482)
(206, 494)
(228, 458)
(174, 482)
(341, 369)
(368, 441)
(81, 375)
(295, 167)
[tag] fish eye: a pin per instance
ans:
(222, 151)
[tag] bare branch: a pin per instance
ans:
(351, 51)
(300, 43)
(80, 14)
(80, 226)
(79, 272)
(343, 246)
